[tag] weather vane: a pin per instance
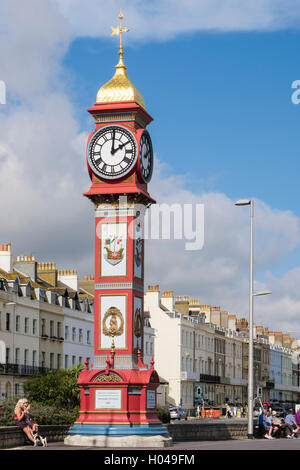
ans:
(119, 31)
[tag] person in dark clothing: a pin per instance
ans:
(23, 420)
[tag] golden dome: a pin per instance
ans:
(119, 87)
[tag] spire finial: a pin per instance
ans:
(119, 87)
(119, 32)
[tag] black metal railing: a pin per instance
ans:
(213, 379)
(22, 369)
(270, 384)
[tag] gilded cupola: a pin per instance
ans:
(119, 87)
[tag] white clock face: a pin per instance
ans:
(112, 152)
(146, 156)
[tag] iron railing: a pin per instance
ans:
(22, 369)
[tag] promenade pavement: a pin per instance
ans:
(239, 444)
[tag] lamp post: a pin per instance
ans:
(250, 202)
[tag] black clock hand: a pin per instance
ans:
(119, 148)
(112, 145)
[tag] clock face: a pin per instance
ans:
(112, 152)
(146, 156)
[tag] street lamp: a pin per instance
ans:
(250, 202)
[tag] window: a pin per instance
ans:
(58, 361)
(58, 329)
(34, 327)
(18, 323)
(26, 324)
(34, 358)
(80, 360)
(88, 337)
(51, 360)
(43, 359)
(73, 360)
(51, 328)
(25, 357)
(73, 334)
(17, 358)
(66, 361)
(7, 355)
(66, 332)
(80, 335)
(43, 327)
(8, 322)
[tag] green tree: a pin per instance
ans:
(57, 388)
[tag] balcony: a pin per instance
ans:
(212, 379)
(270, 385)
(22, 370)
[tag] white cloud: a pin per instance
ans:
(42, 179)
(218, 274)
(33, 39)
(280, 311)
(42, 165)
(164, 19)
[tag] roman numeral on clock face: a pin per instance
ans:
(112, 152)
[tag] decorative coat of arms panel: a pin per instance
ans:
(113, 253)
(113, 320)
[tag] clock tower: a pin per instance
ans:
(118, 391)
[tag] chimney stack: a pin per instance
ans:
(6, 258)
(68, 277)
(167, 300)
(27, 265)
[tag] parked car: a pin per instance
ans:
(177, 413)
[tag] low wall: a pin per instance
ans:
(13, 436)
(208, 430)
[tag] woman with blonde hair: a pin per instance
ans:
(23, 420)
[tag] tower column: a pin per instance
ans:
(118, 392)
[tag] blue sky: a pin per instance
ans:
(222, 108)
(221, 105)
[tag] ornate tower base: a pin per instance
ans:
(129, 396)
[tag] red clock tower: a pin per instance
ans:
(118, 391)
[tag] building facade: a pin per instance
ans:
(205, 357)
(35, 308)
